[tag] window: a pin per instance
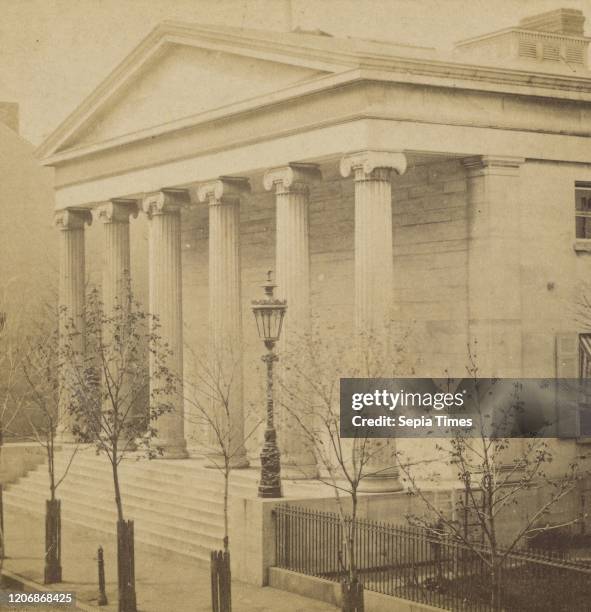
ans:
(583, 211)
(585, 376)
(573, 361)
(551, 53)
(575, 55)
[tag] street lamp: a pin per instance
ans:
(268, 314)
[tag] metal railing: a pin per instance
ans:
(419, 565)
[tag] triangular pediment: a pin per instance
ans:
(178, 73)
(187, 81)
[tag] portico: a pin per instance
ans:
(292, 185)
(378, 181)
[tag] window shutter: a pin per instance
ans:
(567, 366)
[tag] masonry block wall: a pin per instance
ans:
(431, 224)
(553, 274)
(430, 267)
(429, 310)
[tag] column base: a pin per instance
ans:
(380, 484)
(170, 450)
(298, 469)
(216, 461)
(239, 463)
(65, 436)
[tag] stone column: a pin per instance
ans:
(166, 302)
(225, 317)
(71, 296)
(494, 283)
(374, 279)
(116, 252)
(291, 185)
(116, 282)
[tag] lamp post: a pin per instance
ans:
(268, 314)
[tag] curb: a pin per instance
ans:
(24, 584)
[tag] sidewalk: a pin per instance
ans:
(165, 582)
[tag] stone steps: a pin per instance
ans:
(82, 480)
(198, 546)
(152, 518)
(176, 506)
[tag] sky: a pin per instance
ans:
(53, 53)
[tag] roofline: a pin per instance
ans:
(169, 32)
(345, 67)
(467, 41)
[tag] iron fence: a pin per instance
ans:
(422, 566)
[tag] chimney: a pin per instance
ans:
(561, 21)
(9, 115)
(554, 39)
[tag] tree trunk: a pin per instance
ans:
(118, 501)
(226, 491)
(126, 566)
(352, 596)
(2, 540)
(125, 550)
(221, 582)
(496, 590)
(353, 540)
(2, 547)
(53, 542)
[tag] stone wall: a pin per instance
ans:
(429, 311)
(431, 218)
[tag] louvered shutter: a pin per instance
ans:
(567, 367)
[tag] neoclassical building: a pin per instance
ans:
(449, 194)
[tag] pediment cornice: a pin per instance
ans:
(339, 62)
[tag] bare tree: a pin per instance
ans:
(109, 384)
(210, 394)
(41, 369)
(310, 393)
(13, 389)
(492, 486)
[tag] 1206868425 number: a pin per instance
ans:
(17, 599)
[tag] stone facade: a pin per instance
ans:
(441, 206)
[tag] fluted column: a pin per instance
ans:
(165, 276)
(72, 277)
(225, 315)
(292, 189)
(374, 279)
(116, 251)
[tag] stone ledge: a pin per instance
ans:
(330, 592)
(582, 245)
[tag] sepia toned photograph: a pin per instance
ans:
(295, 305)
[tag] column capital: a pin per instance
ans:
(224, 190)
(116, 210)
(294, 177)
(166, 201)
(366, 165)
(72, 218)
(477, 165)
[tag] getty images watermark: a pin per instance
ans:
(426, 407)
(388, 400)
